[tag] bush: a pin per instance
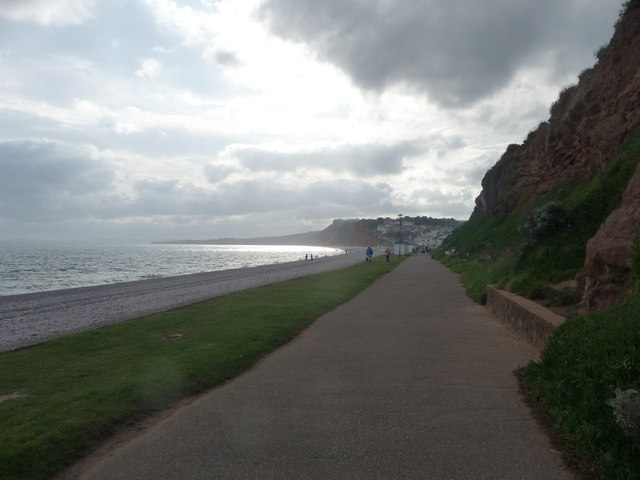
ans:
(546, 220)
(601, 52)
(563, 100)
(626, 408)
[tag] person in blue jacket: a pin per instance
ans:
(369, 253)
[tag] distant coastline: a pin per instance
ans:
(349, 233)
(301, 239)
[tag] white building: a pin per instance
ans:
(403, 249)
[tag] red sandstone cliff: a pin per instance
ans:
(608, 263)
(587, 124)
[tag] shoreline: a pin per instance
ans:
(32, 318)
(39, 266)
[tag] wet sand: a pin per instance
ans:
(34, 318)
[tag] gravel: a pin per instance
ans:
(34, 318)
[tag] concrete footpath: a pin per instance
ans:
(408, 380)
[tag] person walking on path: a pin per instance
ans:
(369, 254)
(397, 383)
(387, 253)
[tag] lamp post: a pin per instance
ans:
(399, 234)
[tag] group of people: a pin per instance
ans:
(369, 253)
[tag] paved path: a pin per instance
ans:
(409, 380)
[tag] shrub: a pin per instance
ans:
(626, 408)
(601, 52)
(546, 220)
(563, 100)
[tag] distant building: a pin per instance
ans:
(403, 249)
(441, 239)
(424, 241)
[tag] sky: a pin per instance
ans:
(146, 120)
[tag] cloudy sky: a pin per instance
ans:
(162, 119)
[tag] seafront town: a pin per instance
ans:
(413, 234)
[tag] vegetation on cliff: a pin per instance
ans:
(563, 157)
(533, 247)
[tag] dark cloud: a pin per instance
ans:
(39, 167)
(47, 181)
(439, 203)
(339, 197)
(43, 180)
(251, 197)
(362, 160)
(165, 198)
(352, 197)
(457, 52)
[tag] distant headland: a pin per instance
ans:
(424, 231)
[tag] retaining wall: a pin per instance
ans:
(531, 321)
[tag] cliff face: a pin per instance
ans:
(608, 262)
(351, 232)
(588, 123)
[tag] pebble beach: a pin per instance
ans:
(33, 318)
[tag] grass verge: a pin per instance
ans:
(586, 360)
(60, 399)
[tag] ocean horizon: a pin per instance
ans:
(37, 266)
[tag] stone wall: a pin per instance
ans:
(531, 321)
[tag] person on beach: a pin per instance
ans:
(387, 253)
(369, 253)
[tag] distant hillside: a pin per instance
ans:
(565, 204)
(347, 233)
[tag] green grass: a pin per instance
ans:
(586, 359)
(75, 391)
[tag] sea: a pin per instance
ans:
(28, 267)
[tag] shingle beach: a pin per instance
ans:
(34, 318)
